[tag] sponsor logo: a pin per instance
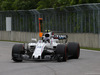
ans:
(61, 36)
(39, 46)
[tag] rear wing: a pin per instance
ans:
(61, 37)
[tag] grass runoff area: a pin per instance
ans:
(13, 41)
(96, 49)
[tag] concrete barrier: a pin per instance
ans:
(18, 36)
(85, 39)
(5, 35)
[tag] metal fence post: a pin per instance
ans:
(49, 27)
(66, 23)
(62, 22)
(81, 21)
(59, 22)
(36, 22)
(89, 22)
(1, 23)
(56, 21)
(70, 24)
(93, 21)
(99, 26)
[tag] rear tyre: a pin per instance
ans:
(17, 52)
(61, 52)
(73, 50)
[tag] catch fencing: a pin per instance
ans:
(84, 18)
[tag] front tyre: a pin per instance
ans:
(17, 52)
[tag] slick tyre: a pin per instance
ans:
(73, 50)
(17, 51)
(61, 52)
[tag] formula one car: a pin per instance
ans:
(46, 48)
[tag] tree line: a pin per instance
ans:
(39, 4)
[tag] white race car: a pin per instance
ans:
(47, 48)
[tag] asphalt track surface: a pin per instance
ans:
(87, 64)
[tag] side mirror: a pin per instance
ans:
(34, 40)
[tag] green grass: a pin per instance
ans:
(13, 41)
(96, 49)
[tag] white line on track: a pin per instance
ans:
(92, 73)
(90, 50)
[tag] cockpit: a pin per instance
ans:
(46, 37)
